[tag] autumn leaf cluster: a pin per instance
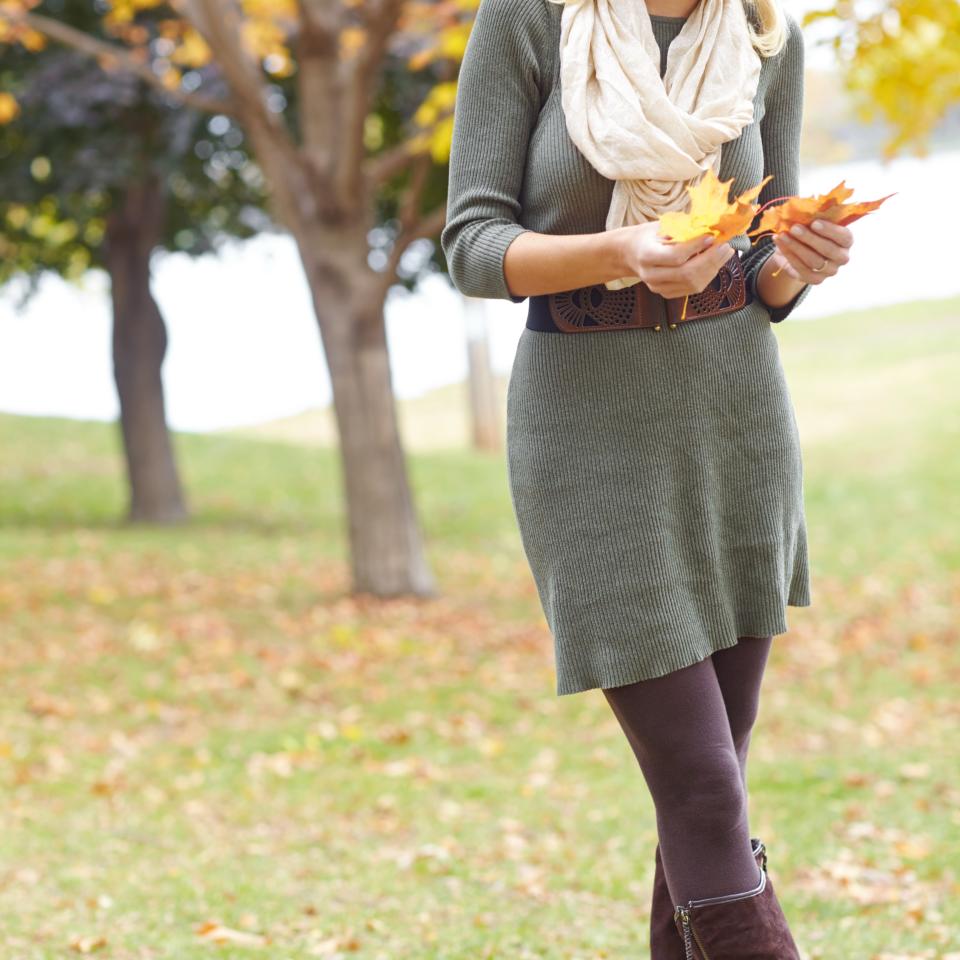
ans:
(711, 212)
(826, 206)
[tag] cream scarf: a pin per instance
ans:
(653, 136)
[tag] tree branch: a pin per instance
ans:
(429, 225)
(413, 226)
(318, 55)
(356, 94)
(384, 166)
(113, 53)
(219, 22)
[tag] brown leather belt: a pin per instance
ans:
(595, 308)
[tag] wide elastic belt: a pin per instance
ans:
(595, 308)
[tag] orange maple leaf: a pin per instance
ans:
(826, 206)
(711, 211)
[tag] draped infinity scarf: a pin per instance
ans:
(654, 136)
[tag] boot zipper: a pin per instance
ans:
(684, 914)
(690, 934)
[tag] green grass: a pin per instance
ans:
(200, 725)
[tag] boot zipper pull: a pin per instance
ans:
(684, 914)
(689, 935)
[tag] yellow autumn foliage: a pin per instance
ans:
(710, 210)
(191, 50)
(434, 117)
(9, 108)
(901, 60)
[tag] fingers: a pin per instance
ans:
(703, 267)
(718, 253)
(839, 234)
(780, 259)
(801, 260)
(828, 247)
(821, 244)
(668, 253)
(800, 255)
(697, 271)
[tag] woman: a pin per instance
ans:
(654, 466)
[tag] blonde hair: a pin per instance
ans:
(767, 25)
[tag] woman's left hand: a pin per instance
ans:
(811, 254)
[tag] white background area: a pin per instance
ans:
(245, 347)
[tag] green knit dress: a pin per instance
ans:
(656, 478)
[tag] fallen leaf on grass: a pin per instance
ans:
(44, 705)
(335, 946)
(217, 933)
(913, 848)
(87, 944)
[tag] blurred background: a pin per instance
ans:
(275, 676)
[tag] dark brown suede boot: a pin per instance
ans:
(737, 926)
(665, 944)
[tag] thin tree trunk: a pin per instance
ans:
(386, 547)
(484, 412)
(139, 345)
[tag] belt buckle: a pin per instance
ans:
(649, 308)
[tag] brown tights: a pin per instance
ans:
(690, 731)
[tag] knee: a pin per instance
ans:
(705, 792)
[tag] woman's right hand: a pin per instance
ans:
(672, 269)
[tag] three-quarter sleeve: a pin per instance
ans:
(780, 134)
(498, 100)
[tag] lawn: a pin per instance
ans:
(208, 748)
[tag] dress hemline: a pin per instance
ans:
(607, 679)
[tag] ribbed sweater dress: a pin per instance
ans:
(656, 478)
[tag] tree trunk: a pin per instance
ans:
(387, 554)
(484, 412)
(386, 548)
(139, 345)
